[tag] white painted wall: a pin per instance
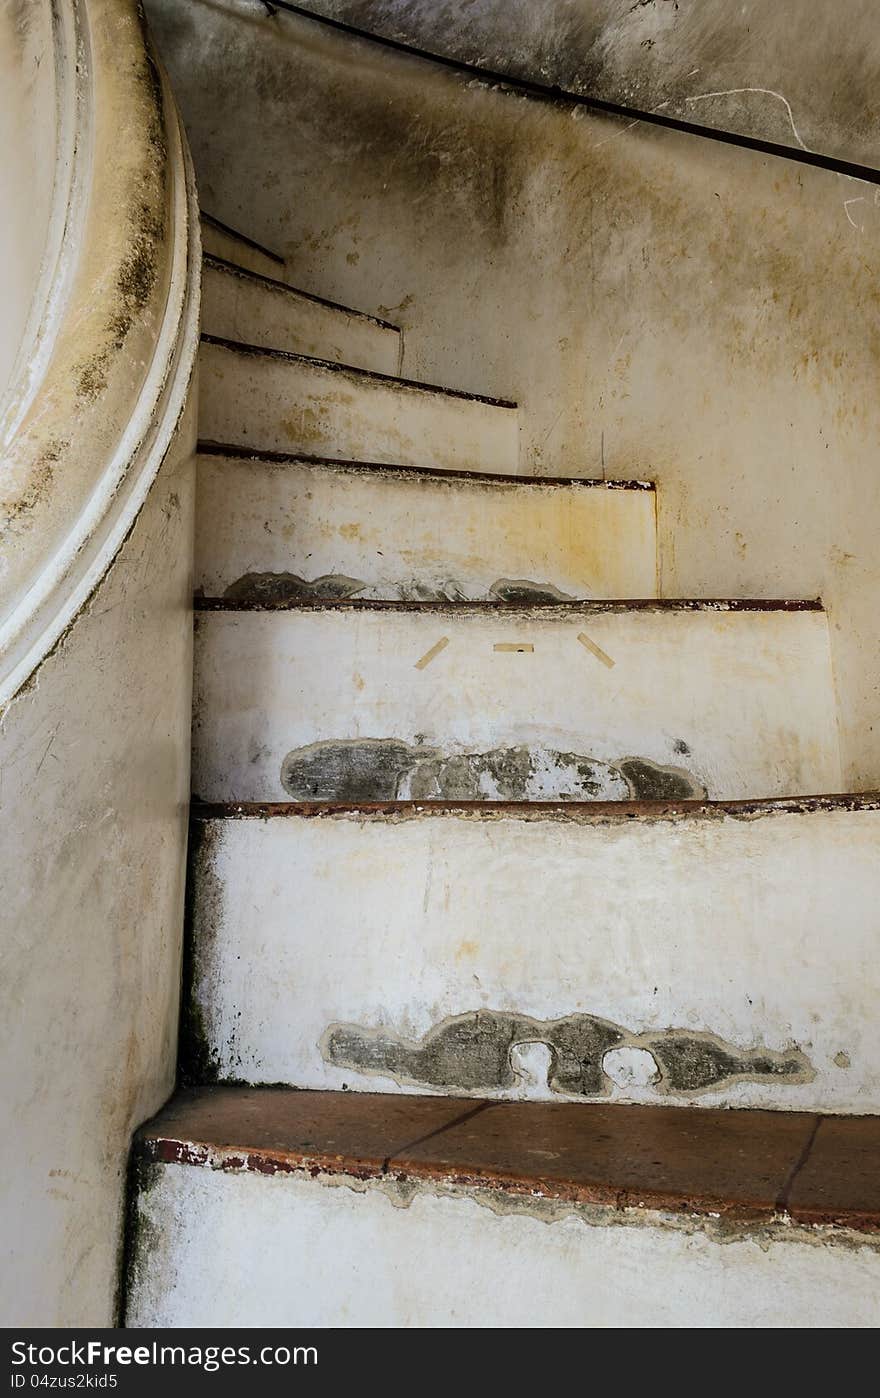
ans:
(340, 1253)
(749, 695)
(760, 929)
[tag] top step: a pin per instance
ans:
(243, 305)
(219, 240)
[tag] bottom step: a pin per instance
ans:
(272, 1207)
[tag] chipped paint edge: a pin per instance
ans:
(572, 609)
(575, 812)
(220, 450)
(596, 1205)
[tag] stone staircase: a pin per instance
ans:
(526, 873)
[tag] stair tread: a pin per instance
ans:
(292, 356)
(224, 264)
(283, 458)
(242, 237)
(742, 1165)
(582, 811)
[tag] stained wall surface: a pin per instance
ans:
(94, 755)
(660, 305)
(759, 68)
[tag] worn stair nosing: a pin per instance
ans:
(288, 458)
(242, 237)
(293, 357)
(223, 264)
(582, 812)
(586, 606)
(177, 1150)
(156, 1144)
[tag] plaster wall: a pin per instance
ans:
(659, 305)
(94, 755)
(342, 1253)
(279, 696)
(419, 948)
(28, 141)
(759, 67)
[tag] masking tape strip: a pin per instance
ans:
(595, 650)
(432, 653)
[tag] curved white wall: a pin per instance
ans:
(27, 175)
(91, 408)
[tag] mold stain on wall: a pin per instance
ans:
(388, 769)
(278, 587)
(473, 1053)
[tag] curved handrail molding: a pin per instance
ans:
(106, 363)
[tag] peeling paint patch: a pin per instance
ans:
(416, 590)
(512, 774)
(649, 782)
(525, 593)
(475, 1052)
(290, 587)
(691, 1063)
(472, 1052)
(369, 769)
(386, 769)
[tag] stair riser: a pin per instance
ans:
(414, 536)
(330, 1255)
(226, 245)
(326, 948)
(732, 704)
(273, 404)
(236, 307)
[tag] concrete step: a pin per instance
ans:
(272, 400)
(599, 700)
(695, 953)
(243, 305)
(282, 527)
(291, 1209)
(219, 240)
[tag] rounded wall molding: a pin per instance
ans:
(106, 362)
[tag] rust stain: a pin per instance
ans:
(577, 812)
(586, 607)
